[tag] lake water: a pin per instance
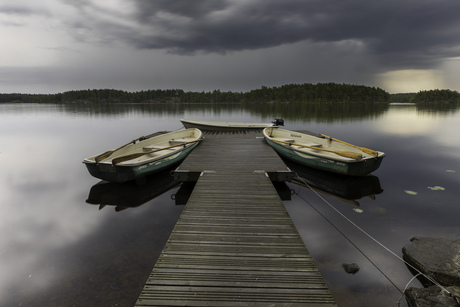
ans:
(57, 249)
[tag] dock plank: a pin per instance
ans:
(234, 244)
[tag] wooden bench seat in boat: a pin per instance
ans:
(284, 140)
(312, 145)
(293, 141)
(153, 147)
(180, 141)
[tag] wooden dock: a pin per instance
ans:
(234, 244)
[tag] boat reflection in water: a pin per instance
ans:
(345, 188)
(130, 195)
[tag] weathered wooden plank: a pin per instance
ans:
(245, 278)
(234, 244)
(228, 238)
(248, 151)
(225, 296)
(236, 263)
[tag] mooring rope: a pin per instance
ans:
(407, 285)
(369, 236)
(351, 242)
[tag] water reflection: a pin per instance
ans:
(131, 194)
(403, 119)
(320, 112)
(439, 109)
(345, 188)
(56, 250)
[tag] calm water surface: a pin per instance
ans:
(59, 247)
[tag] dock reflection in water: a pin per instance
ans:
(131, 195)
(345, 188)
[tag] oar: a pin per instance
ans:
(107, 154)
(347, 154)
(137, 155)
(363, 149)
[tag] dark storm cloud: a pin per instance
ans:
(409, 33)
(219, 26)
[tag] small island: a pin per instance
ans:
(428, 97)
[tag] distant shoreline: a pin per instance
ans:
(290, 93)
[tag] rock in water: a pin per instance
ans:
(350, 268)
(431, 296)
(438, 258)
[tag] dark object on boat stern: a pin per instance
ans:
(278, 122)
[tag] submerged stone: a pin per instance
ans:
(350, 268)
(432, 296)
(438, 258)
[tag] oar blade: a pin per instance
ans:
(103, 156)
(348, 154)
(369, 151)
(363, 149)
(107, 154)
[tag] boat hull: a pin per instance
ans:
(224, 126)
(317, 161)
(123, 173)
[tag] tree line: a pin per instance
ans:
(307, 93)
(428, 97)
(437, 96)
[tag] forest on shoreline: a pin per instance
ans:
(428, 97)
(307, 93)
(290, 93)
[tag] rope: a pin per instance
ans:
(351, 242)
(407, 285)
(369, 236)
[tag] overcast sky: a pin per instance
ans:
(52, 46)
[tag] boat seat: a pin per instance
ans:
(303, 148)
(152, 147)
(293, 141)
(181, 141)
(284, 140)
(313, 145)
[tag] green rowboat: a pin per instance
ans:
(323, 153)
(143, 156)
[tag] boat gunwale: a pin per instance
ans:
(197, 135)
(145, 161)
(322, 156)
(310, 151)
